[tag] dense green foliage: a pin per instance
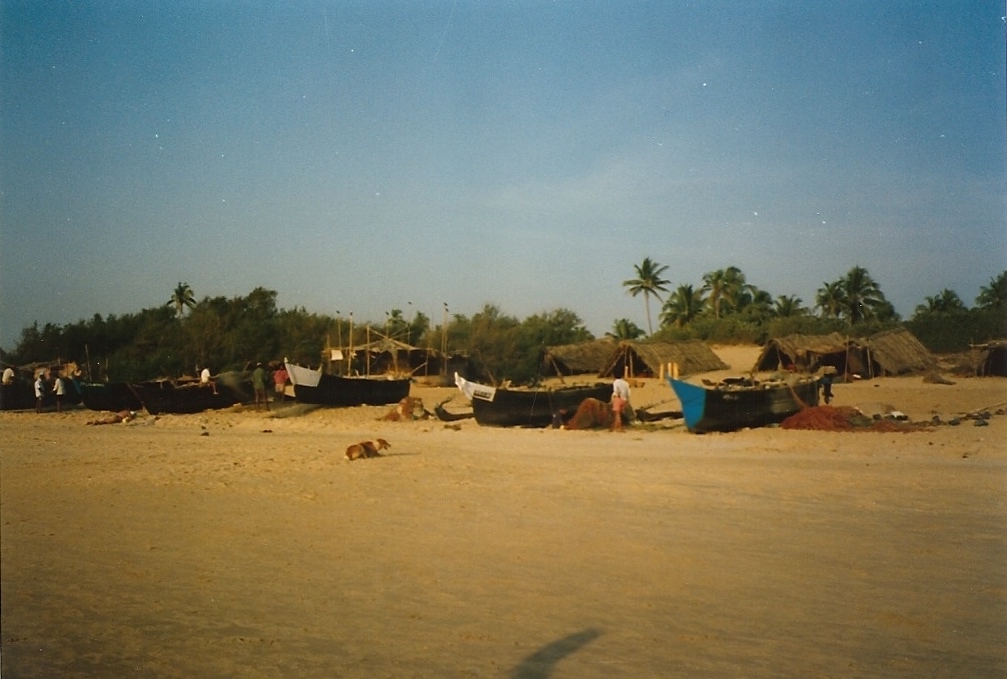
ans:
(231, 333)
(234, 333)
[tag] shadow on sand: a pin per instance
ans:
(540, 664)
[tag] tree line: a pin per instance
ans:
(726, 307)
(233, 333)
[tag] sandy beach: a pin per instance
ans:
(242, 544)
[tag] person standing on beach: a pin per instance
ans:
(59, 388)
(259, 385)
(280, 382)
(826, 382)
(620, 400)
(39, 386)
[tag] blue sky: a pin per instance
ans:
(365, 156)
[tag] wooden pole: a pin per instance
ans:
(349, 354)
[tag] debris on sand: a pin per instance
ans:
(845, 418)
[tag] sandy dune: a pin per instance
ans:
(243, 545)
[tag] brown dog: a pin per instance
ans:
(366, 449)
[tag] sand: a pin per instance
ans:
(236, 544)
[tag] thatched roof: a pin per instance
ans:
(988, 359)
(577, 359)
(897, 352)
(893, 352)
(783, 352)
(648, 358)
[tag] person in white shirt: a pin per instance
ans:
(205, 381)
(39, 386)
(59, 388)
(620, 400)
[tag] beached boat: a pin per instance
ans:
(739, 403)
(113, 396)
(501, 407)
(186, 397)
(319, 388)
(19, 396)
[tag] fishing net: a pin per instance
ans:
(844, 418)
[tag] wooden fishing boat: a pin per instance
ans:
(319, 388)
(113, 396)
(189, 396)
(739, 403)
(20, 396)
(499, 407)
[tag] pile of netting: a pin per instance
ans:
(844, 418)
(591, 414)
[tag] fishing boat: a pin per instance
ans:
(499, 407)
(319, 388)
(161, 397)
(19, 395)
(113, 396)
(737, 403)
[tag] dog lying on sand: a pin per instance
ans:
(366, 449)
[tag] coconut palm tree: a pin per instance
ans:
(725, 288)
(861, 295)
(682, 307)
(829, 299)
(625, 329)
(648, 281)
(787, 306)
(994, 295)
(181, 298)
(946, 301)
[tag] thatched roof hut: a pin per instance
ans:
(896, 352)
(647, 359)
(989, 359)
(893, 352)
(577, 359)
(805, 353)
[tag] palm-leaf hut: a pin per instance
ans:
(807, 353)
(895, 352)
(582, 358)
(989, 359)
(651, 359)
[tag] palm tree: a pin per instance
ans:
(862, 296)
(946, 301)
(787, 306)
(830, 299)
(181, 298)
(684, 305)
(648, 281)
(725, 287)
(625, 329)
(994, 295)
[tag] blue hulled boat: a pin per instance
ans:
(739, 403)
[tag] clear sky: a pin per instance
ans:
(377, 154)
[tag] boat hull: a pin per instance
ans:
(729, 409)
(513, 408)
(318, 388)
(160, 398)
(18, 396)
(113, 396)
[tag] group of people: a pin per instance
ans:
(260, 380)
(58, 388)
